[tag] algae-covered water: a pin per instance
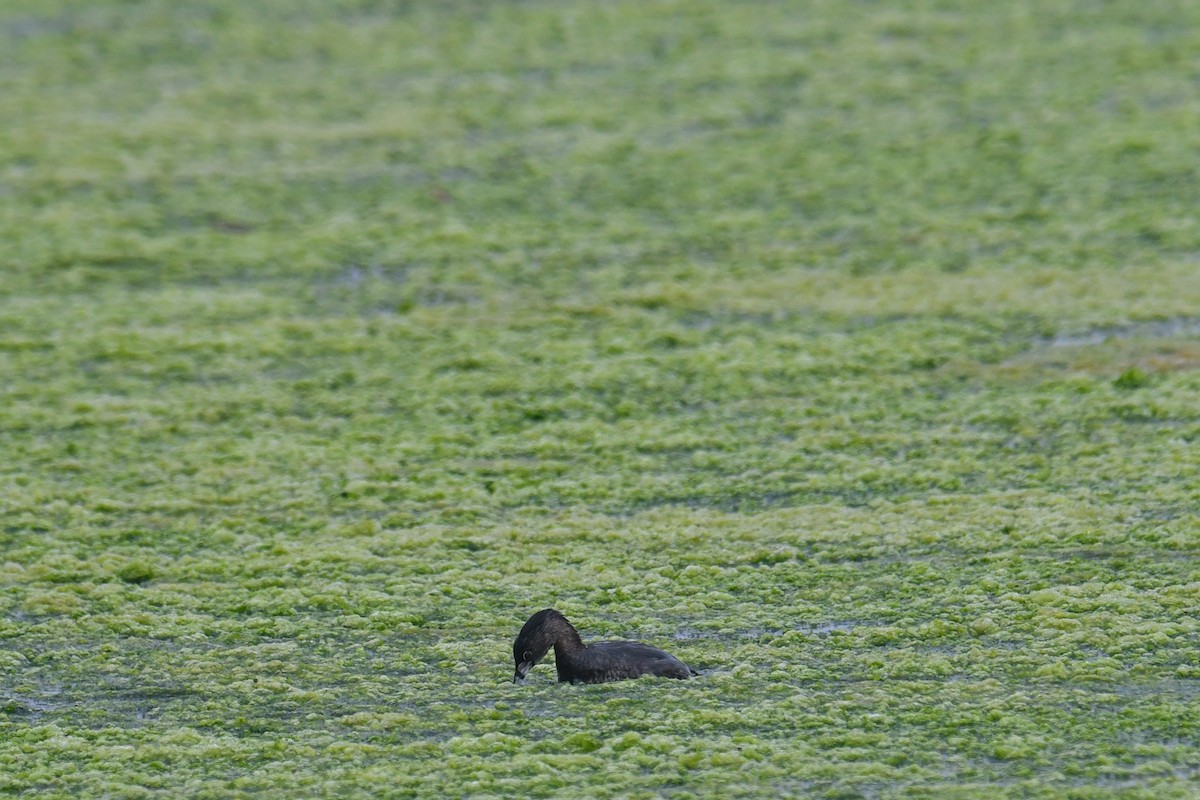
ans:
(849, 351)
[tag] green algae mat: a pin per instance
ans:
(849, 351)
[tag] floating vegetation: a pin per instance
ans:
(847, 350)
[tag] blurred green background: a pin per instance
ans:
(847, 350)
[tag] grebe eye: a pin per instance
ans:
(527, 655)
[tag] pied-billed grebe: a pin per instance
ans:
(599, 662)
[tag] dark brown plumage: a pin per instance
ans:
(598, 662)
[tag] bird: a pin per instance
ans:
(599, 662)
